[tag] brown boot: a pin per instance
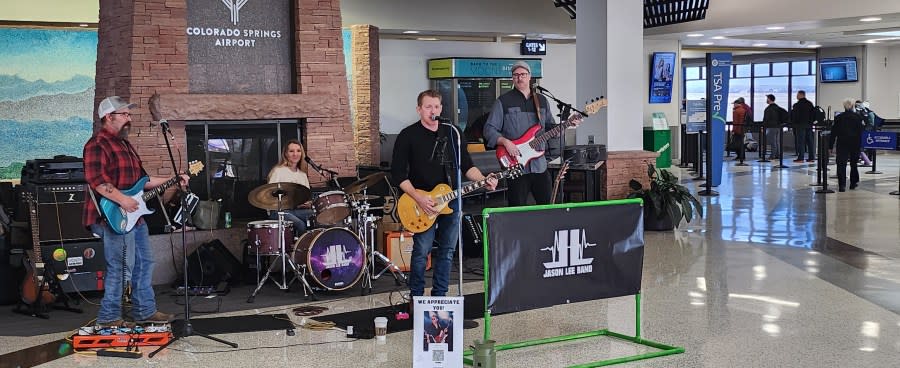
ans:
(158, 317)
(117, 324)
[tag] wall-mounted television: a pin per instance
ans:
(840, 69)
(662, 72)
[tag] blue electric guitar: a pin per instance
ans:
(122, 221)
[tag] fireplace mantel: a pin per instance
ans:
(187, 107)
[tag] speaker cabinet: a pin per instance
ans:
(60, 210)
(400, 252)
(213, 263)
(79, 266)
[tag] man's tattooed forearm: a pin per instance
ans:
(107, 187)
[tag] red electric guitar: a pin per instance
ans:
(528, 144)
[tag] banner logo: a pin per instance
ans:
(234, 6)
(336, 256)
(567, 253)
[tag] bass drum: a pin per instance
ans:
(334, 257)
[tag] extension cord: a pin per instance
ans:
(120, 353)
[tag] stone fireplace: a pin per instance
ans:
(144, 49)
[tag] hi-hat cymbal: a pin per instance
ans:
(358, 197)
(267, 196)
(362, 184)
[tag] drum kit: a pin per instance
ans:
(335, 255)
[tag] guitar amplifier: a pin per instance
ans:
(78, 266)
(400, 252)
(60, 210)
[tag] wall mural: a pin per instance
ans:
(46, 94)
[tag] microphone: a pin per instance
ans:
(440, 119)
(318, 167)
(542, 89)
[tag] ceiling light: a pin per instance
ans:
(893, 33)
(427, 38)
(813, 46)
(871, 41)
(707, 43)
(695, 35)
(870, 19)
(760, 44)
(774, 28)
(411, 32)
(719, 38)
(516, 35)
(83, 25)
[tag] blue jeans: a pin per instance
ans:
(114, 248)
(446, 229)
(298, 216)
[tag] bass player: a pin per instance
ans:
(512, 115)
(424, 156)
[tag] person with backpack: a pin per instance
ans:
(773, 118)
(802, 115)
(845, 139)
(740, 115)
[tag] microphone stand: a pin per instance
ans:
(332, 175)
(187, 329)
(459, 249)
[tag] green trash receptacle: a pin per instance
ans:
(659, 141)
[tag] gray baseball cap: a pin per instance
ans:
(111, 104)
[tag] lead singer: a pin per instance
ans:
(424, 156)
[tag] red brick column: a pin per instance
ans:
(620, 168)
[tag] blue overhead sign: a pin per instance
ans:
(879, 140)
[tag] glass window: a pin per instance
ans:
(695, 89)
(692, 72)
(800, 68)
(806, 83)
(761, 70)
(777, 86)
(742, 70)
(738, 87)
(780, 69)
(812, 68)
(702, 72)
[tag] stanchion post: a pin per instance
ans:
(818, 146)
(763, 145)
(874, 162)
(781, 164)
(700, 136)
(823, 164)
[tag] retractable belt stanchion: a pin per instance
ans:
(699, 163)
(874, 162)
(818, 147)
(763, 144)
(823, 162)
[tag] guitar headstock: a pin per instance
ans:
(595, 105)
(512, 172)
(195, 167)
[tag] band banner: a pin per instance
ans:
(541, 256)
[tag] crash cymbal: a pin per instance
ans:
(266, 196)
(362, 184)
(358, 197)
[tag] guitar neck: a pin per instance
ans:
(553, 132)
(35, 232)
(471, 187)
(159, 189)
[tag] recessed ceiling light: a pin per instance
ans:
(813, 46)
(784, 33)
(870, 41)
(760, 44)
(774, 28)
(427, 38)
(707, 43)
(719, 38)
(411, 32)
(516, 35)
(83, 25)
(695, 35)
(870, 19)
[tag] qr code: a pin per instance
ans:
(437, 355)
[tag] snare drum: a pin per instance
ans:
(334, 257)
(331, 207)
(263, 237)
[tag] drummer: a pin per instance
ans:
(289, 170)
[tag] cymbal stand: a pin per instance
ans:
(366, 230)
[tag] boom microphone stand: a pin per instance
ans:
(187, 328)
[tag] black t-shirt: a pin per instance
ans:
(415, 157)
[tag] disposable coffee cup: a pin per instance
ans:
(380, 328)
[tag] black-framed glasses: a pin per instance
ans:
(520, 75)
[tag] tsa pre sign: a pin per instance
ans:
(879, 140)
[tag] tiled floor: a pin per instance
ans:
(774, 276)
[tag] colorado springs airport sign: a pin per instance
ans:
(236, 23)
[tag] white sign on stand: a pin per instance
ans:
(437, 332)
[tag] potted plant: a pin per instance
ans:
(665, 202)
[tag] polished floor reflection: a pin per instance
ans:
(774, 276)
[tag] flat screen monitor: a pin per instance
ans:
(662, 71)
(841, 69)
